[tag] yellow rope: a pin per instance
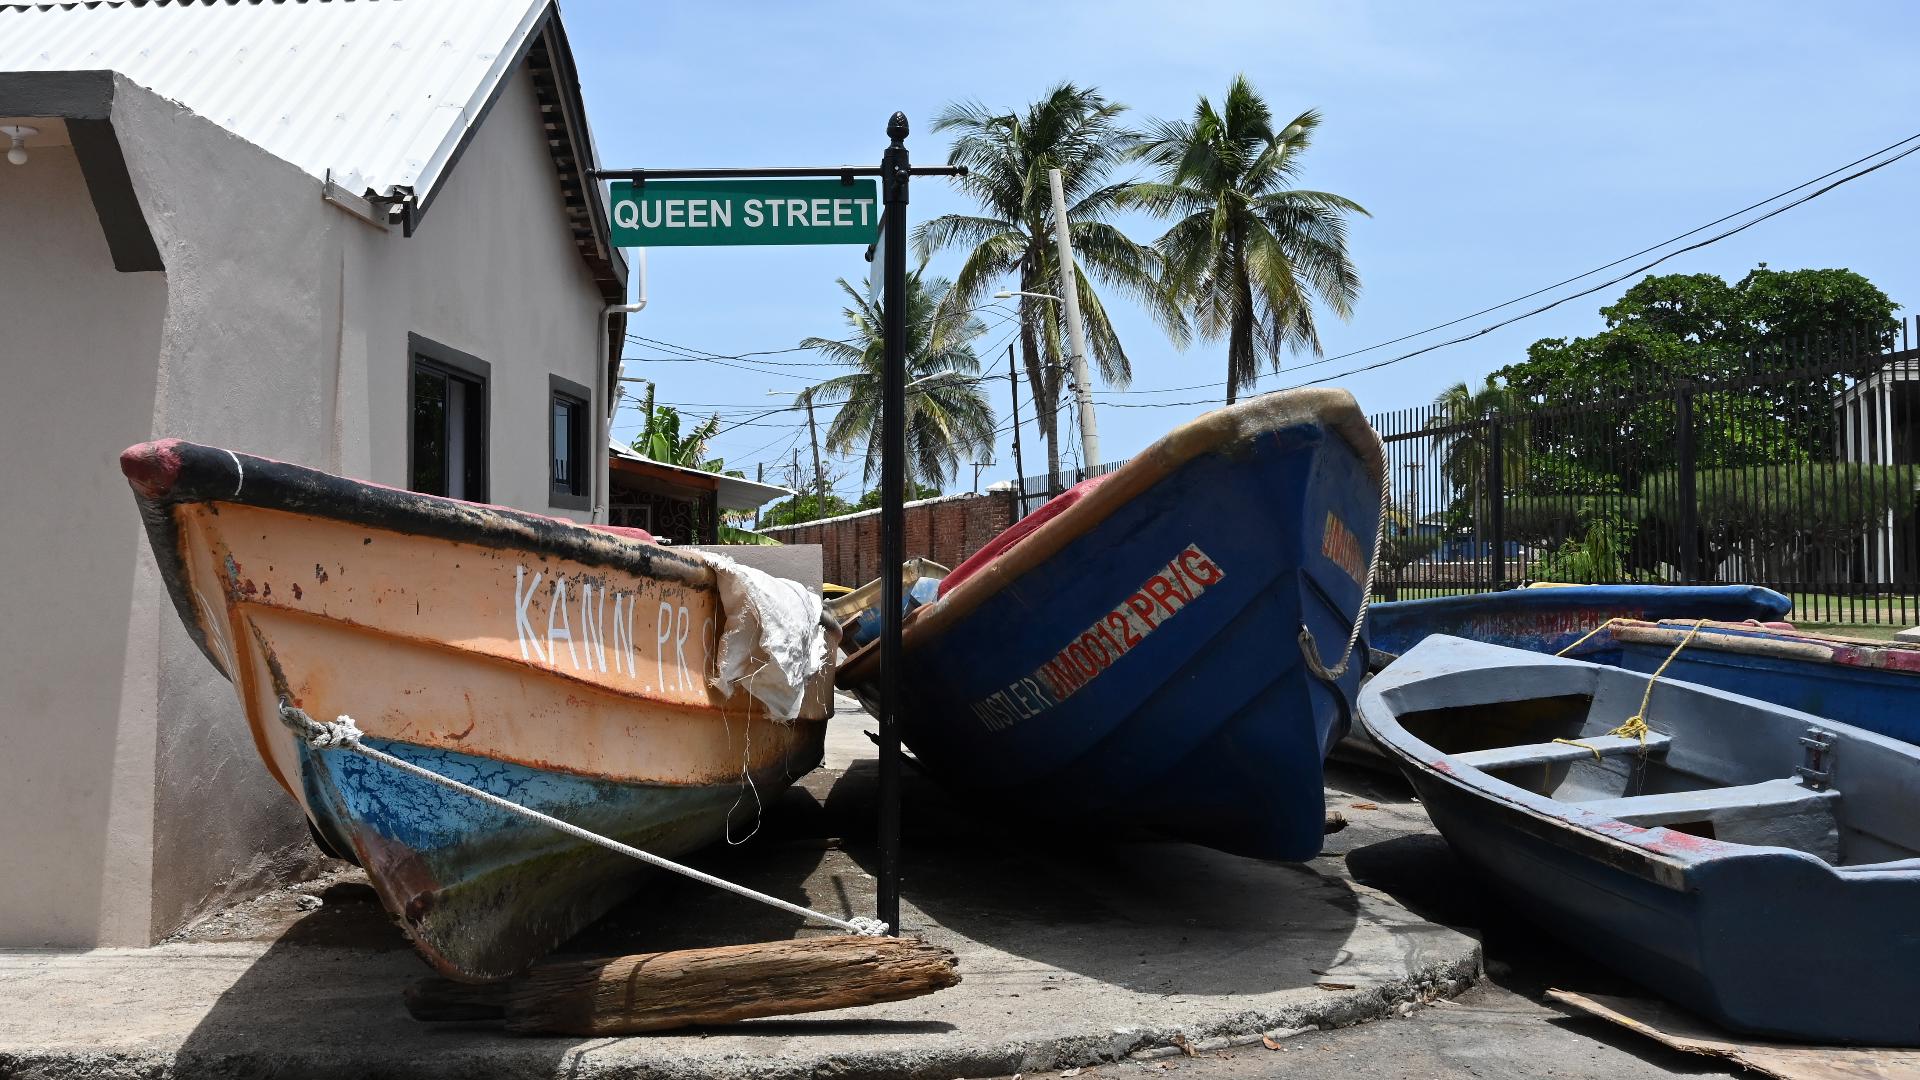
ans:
(1635, 726)
(1588, 634)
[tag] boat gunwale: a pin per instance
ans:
(1771, 642)
(1558, 596)
(1683, 851)
(1331, 406)
(167, 474)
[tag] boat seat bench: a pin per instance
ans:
(1551, 753)
(1781, 813)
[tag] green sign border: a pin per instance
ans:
(733, 213)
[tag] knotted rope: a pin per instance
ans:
(343, 734)
(1308, 648)
(1635, 726)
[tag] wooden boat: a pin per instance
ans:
(1134, 658)
(1757, 865)
(562, 667)
(858, 610)
(1550, 619)
(1869, 684)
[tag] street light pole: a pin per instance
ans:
(1019, 470)
(1076, 334)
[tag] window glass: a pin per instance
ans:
(429, 431)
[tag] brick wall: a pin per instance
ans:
(946, 530)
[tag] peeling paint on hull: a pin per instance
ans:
(550, 663)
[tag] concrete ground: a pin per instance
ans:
(1074, 950)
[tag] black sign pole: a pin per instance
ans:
(894, 172)
(894, 176)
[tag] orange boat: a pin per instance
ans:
(567, 668)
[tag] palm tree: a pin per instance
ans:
(947, 411)
(1007, 155)
(1249, 253)
(1462, 441)
(660, 437)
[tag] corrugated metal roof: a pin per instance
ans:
(379, 92)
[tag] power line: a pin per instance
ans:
(1589, 291)
(1566, 281)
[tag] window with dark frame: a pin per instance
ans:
(570, 460)
(447, 421)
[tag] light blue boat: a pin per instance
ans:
(1757, 865)
(1549, 618)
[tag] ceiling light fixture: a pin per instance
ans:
(19, 133)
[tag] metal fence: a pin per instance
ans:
(1791, 467)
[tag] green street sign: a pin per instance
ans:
(700, 213)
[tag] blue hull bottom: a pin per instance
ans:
(1765, 946)
(483, 892)
(1550, 619)
(1148, 673)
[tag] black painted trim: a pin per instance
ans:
(97, 148)
(84, 101)
(74, 95)
(167, 475)
(558, 387)
(463, 363)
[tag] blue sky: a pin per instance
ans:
(1499, 146)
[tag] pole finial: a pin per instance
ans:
(897, 128)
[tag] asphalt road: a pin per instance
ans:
(1499, 1030)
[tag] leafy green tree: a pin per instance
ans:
(660, 438)
(803, 508)
(1463, 441)
(1249, 253)
(1007, 155)
(1695, 327)
(947, 411)
(871, 500)
(1770, 516)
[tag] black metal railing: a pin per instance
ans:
(1792, 467)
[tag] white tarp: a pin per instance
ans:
(772, 642)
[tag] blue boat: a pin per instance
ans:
(1136, 658)
(1869, 684)
(1549, 618)
(1757, 865)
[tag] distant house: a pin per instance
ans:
(676, 504)
(1879, 424)
(354, 235)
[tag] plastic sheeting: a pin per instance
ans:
(772, 641)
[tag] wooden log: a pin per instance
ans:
(628, 995)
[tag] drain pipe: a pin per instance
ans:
(608, 388)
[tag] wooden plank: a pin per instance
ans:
(1673, 1027)
(1514, 757)
(630, 995)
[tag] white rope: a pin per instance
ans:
(1310, 650)
(343, 734)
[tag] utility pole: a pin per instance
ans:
(1076, 334)
(1019, 471)
(793, 474)
(819, 474)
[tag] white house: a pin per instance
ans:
(353, 234)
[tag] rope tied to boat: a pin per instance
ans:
(1308, 648)
(344, 734)
(1584, 638)
(1635, 726)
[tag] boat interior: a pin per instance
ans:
(1712, 765)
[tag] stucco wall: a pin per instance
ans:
(491, 271)
(78, 355)
(279, 327)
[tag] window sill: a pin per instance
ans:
(558, 501)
